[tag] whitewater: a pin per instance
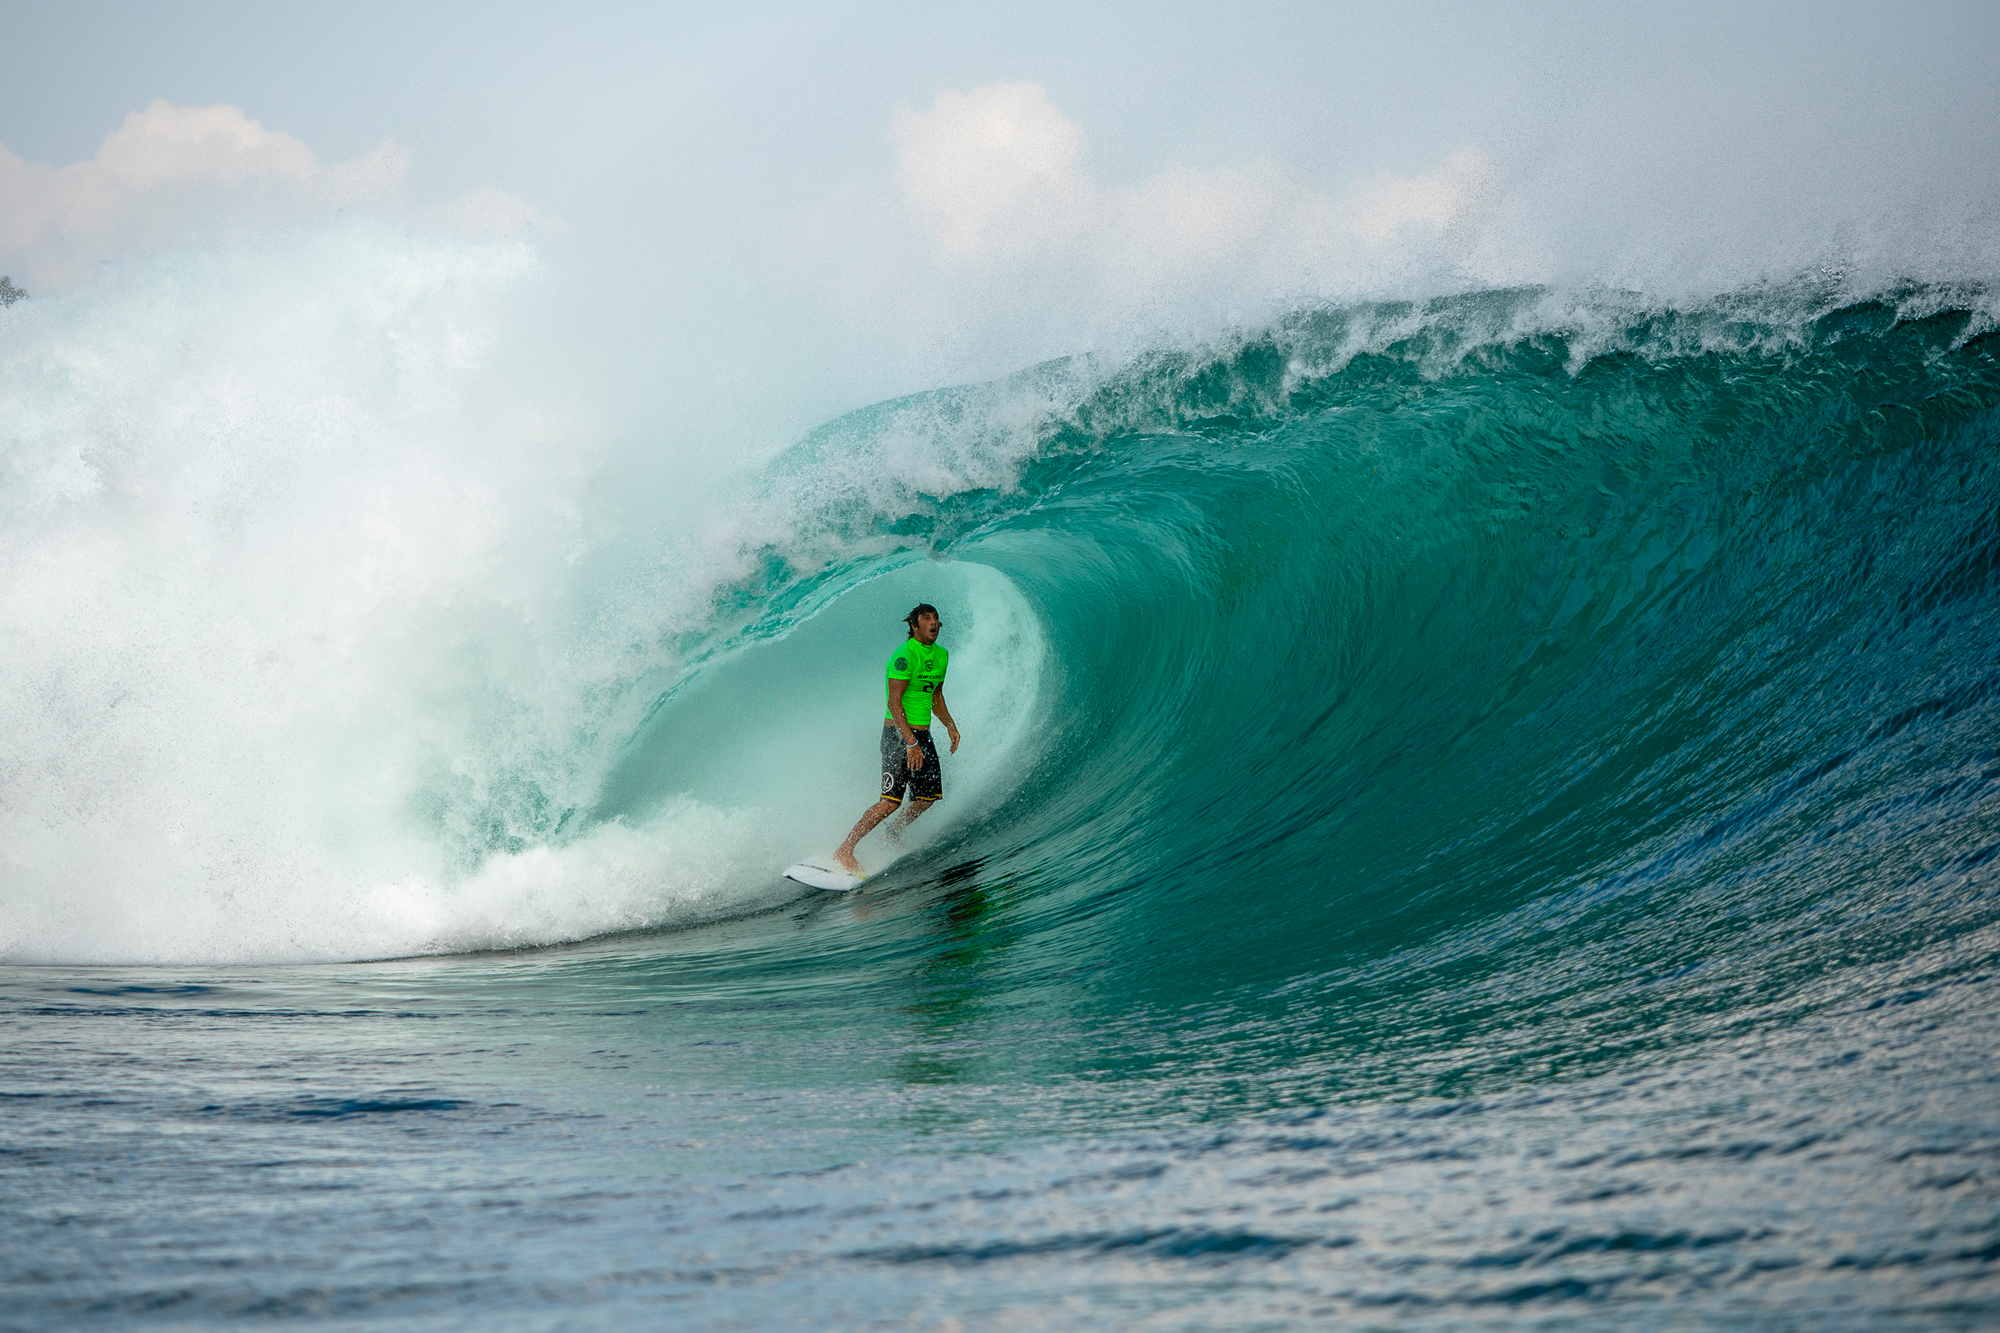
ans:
(1480, 808)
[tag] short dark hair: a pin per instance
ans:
(920, 609)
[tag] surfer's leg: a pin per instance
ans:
(926, 784)
(870, 817)
(916, 807)
(896, 776)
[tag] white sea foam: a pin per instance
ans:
(321, 633)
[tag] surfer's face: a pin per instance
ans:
(926, 630)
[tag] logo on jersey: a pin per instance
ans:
(902, 664)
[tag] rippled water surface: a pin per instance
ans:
(590, 1139)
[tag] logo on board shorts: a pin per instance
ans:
(888, 784)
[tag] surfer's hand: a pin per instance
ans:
(954, 740)
(918, 762)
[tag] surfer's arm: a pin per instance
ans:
(897, 715)
(937, 706)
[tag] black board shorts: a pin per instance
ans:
(926, 784)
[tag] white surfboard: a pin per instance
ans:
(825, 877)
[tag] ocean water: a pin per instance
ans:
(1476, 812)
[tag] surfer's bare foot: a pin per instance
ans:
(870, 817)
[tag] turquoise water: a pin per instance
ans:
(1473, 816)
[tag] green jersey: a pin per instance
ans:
(924, 669)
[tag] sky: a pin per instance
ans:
(882, 197)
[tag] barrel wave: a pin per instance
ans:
(1553, 694)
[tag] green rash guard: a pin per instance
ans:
(924, 669)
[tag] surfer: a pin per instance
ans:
(909, 760)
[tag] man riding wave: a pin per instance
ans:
(915, 688)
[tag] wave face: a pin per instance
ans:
(1513, 683)
(1447, 663)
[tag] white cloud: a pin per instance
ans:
(997, 173)
(995, 168)
(167, 144)
(994, 244)
(171, 174)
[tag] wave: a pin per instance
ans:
(1415, 668)
(1529, 640)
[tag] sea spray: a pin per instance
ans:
(321, 641)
